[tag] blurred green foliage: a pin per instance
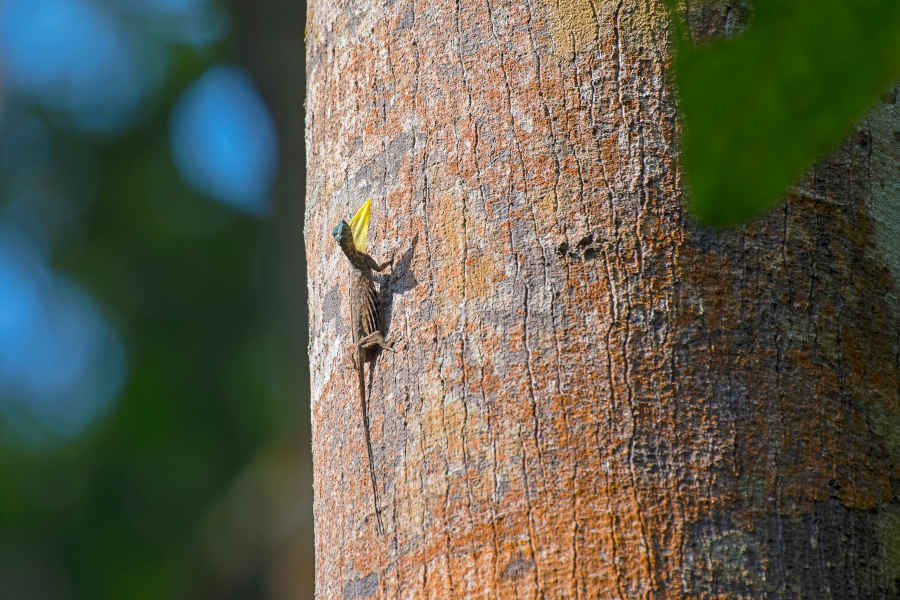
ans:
(187, 282)
(760, 107)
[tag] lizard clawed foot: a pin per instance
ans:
(392, 344)
(388, 263)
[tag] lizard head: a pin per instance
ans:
(354, 234)
(342, 233)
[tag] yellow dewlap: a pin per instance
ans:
(359, 226)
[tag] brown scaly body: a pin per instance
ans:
(365, 323)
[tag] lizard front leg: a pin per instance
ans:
(372, 264)
(385, 264)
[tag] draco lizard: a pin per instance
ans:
(365, 319)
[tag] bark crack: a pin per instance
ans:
(619, 65)
(492, 499)
(538, 589)
(648, 553)
(547, 114)
(447, 479)
(612, 387)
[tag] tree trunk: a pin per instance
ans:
(593, 396)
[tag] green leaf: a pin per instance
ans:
(759, 109)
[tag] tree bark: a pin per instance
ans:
(594, 397)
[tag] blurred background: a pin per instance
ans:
(154, 435)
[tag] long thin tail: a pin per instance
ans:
(365, 416)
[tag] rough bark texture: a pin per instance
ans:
(596, 398)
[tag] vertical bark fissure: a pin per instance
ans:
(395, 528)
(619, 66)
(446, 435)
(406, 307)
(573, 482)
(613, 316)
(340, 565)
(585, 214)
(538, 587)
(537, 231)
(568, 443)
(629, 395)
(432, 303)
(512, 121)
(547, 113)
(777, 415)
(421, 469)
(464, 320)
(647, 295)
(515, 135)
(610, 513)
(462, 338)
(492, 499)
(447, 480)
(534, 406)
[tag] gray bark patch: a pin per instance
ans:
(363, 587)
(516, 568)
(331, 306)
(831, 552)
